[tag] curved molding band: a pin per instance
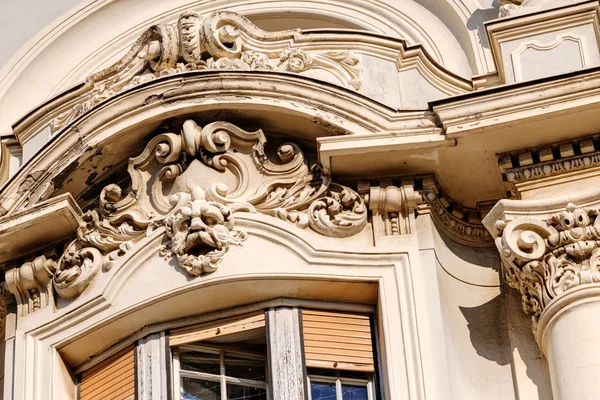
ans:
(322, 107)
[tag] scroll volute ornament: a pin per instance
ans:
(287, 189)
(228, 171)
(222, 41)
(545, 258)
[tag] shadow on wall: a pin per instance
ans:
(487, 329)
(475, 22)
(499, 329)
(484, 323)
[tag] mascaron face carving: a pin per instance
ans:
(545, 258)
(198, 224)
(201, 231)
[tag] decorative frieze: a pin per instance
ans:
(221, 41)
(544, 258)
(529, 165)
(522, 169)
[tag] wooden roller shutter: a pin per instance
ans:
(112, 379)
(218, 328)
(337, 340)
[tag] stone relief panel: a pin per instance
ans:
(189, 186)
(564, 54)
(221, 41)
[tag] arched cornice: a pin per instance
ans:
(92, 45)
(110, 301)
(323, 109)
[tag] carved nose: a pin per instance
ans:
(197, 224)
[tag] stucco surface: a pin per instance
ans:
(20, 21)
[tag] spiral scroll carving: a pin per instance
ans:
(545, 258)
(221, 41)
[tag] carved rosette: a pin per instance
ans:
(545, 258)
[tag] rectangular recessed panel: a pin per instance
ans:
(112, 379)
(337, 340)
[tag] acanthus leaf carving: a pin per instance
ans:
(545, 258)
(221, 41)
(229, 170)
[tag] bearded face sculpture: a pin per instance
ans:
(201, 233)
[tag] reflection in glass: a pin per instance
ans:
(322, 391)
(194, 389)
(350, 392)
(235, 392)
(199, 361)
(246, 367)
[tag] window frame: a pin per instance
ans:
(222, 378)
(339, 381)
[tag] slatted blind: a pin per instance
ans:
(337, 340)
(112, 379)
(222, 327)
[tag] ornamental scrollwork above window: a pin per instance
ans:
(222, 41)
(189, 186)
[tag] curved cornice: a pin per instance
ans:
(345, 58)
(326, 109)
(86, 30)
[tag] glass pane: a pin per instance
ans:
(235, 392)
(199, 361)
(194, 389)
(322, 391)
(350, 392)
(247, 367)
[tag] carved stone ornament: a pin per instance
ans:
(460, 223)
(508, 7)
(221, 41)
(228, 171)
(30, 284)
(201, 231)
(546, 258)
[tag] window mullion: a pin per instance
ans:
(223, 378)
(284, 344)
(338, 389)
(370, 391)
(176, 377)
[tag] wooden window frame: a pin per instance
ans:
(179, 374)
(339, 381)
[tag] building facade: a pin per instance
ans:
(316, 199)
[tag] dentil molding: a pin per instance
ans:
(529, 169)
